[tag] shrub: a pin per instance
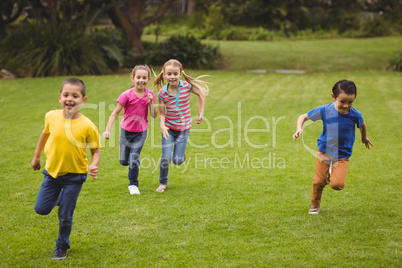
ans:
(396, 62)
(375, 27)
(40, 51)
(187, 49)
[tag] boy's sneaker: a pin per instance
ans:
(60, 254)
(133, 189)
(314, 210)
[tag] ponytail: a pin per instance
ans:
(159, 81)
(198, 84)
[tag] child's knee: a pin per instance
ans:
(177, 161)
(42, 211)
(337, 186)
(124, 162)
(319, 183)
(165, 161)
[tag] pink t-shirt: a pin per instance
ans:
(135, 111)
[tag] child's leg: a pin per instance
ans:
(338, 174)
(320, 177)
(167, 148)
(72, 185)
(48, 194)
(180, 145)
(136, 142)
(124, 148)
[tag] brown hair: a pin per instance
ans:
(141, 67)
(75, 82)
(195, 82)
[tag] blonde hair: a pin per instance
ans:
(195, 82)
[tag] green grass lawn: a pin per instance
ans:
(240, 199)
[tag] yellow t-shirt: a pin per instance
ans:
(67, 143)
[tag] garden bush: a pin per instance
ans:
(396, 62)
(187, 49)
(37, 50)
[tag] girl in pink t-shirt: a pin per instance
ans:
(134, 102)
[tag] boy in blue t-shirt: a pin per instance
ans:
(336, 140)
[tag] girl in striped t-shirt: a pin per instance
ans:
(174, 114)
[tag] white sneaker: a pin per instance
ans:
(133, 189)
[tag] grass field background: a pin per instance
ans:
(241, 198)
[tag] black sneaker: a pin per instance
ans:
(60, 254)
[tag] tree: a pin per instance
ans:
(9, 12)
(131, 22)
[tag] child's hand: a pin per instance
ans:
(297, 134)
(35, 163)
(149, 97)
(199, 119)
(106, 134)
(93, 171)
(367, 143)
(165, 133)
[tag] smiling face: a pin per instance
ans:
(71, 99)
(172, 74)
(140, 79)
(344, 102)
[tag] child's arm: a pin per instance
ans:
(93, 168)
(41, 143)
(299, 125)
(365, 139)
(164, 129)
(112, 118)
(152, 107)
(196, 91)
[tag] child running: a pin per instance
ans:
(66, 136)
(174, 114)
(134, 102)
(336, 141)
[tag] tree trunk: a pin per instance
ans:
(54, 20)
(191, 7)
(131, 22)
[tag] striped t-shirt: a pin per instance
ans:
(178, 116)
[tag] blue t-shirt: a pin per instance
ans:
(338, 133)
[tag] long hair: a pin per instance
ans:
(195, 82)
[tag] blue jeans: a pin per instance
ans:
(131, 144)
(63, 190)
(178, 139)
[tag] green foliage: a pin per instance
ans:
(214, 20)
(376, 27)
(249, 33)
(111, 42)
(187, 49)
(396, 62)
(41, 51)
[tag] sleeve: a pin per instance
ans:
(122, 99)
(160, 95)
(315, 114)
(93, 138)
(46, 130)
(359, 119)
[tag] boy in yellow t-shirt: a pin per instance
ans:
(66, 136)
